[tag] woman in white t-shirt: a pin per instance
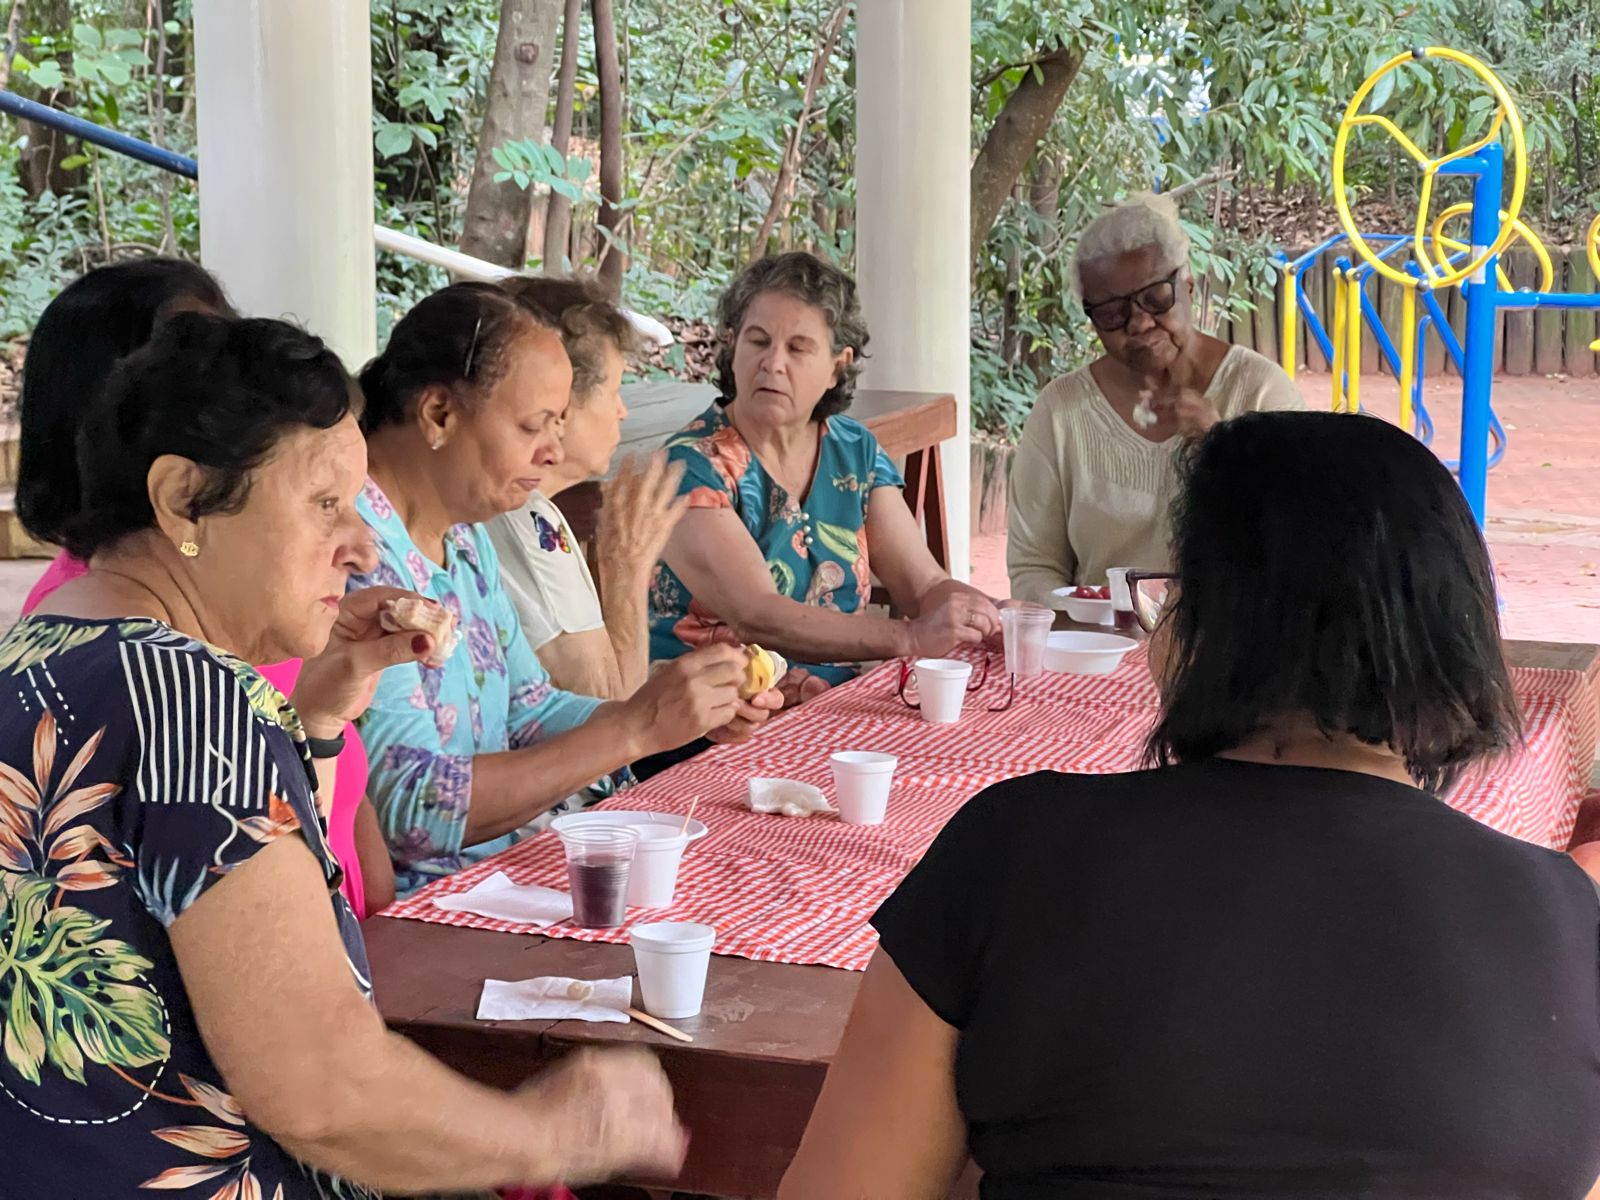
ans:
(592, 641)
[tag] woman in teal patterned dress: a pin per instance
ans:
(184, 994)
(464, 414)
(786, 494)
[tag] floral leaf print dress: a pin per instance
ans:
(426, 724)
(815, 545)
(137, 768)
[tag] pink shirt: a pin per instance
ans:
(350, 778)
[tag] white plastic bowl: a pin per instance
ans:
(1076, 653)
(613, 816)
(1085, 612)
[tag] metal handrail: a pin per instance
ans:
(87, 131)
(392, 240)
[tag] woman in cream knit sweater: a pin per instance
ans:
(1094, 472)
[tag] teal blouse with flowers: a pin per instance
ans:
(815, 546)
(426, 725)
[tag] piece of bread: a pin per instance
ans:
(420, 615)
(762, 670)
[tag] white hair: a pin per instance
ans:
(1142, 220)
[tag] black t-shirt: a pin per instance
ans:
(1237, 980)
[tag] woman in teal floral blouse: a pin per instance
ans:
(463, 418)
(184, 994)
(787, 494)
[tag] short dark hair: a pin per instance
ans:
(589, 323)
(97, 319)
(217, 391)
(457, 338)
(1329, 566)
(817, 283)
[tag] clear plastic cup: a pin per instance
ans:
(654, 879)
(861, 781)
(1025, 628)
(599, 862)
(673, 959)
(941, 687)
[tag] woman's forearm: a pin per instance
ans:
(371, 1128)
(624, 604)
(811, 634)
(512, 787)
(325, 1078)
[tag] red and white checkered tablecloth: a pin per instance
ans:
(792, 890)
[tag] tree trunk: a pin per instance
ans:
(158, 125)
(558, 210)
(1011, 302)
(14, 40)
(40, 164)
(1044, 196)
(1577, 131)
(609, 71)
(1017, 132)
(791, 155)
(496, 224)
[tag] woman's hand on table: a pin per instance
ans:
(752, 714)
(336, 686)
(958, 616)
(684, 699)
(613, 1113)
(799, 685)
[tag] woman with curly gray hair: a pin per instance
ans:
(786, 493)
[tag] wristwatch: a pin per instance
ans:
(325, 747)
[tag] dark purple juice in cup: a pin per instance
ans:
(599, 892)
(599, 860)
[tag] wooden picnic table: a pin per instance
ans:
(908, 425)
(763, 1042)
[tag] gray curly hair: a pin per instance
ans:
(817, 283)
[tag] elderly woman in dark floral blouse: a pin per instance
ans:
(184, 993)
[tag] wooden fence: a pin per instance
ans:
(1547, 342)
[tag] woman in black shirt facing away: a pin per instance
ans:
(1275, 964)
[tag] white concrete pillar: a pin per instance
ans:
(284, 95)
(913, 159)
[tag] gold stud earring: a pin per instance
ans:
(189, 550)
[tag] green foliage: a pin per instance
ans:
(1251, 90)
(530, 163)
(1168, 92)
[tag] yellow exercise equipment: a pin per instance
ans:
(1593, 241)
(1352, 330)
(1506, 117)
(1520, 230)
(1291, 322)
(1338, 339)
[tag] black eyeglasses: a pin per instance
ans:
(1155, 299)
(1149, 591)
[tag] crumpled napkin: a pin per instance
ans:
(502, 899)
(546, 999)
(787, 797)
